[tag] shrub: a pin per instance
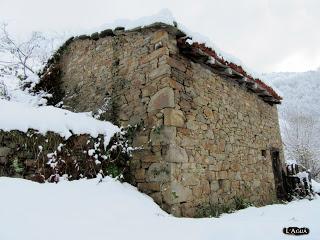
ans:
(216, 209)
(4, 91)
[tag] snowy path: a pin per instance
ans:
(86, 210)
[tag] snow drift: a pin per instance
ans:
(87, 209)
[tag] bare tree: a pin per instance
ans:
(24, 55)
(301, 138)
(4, 91)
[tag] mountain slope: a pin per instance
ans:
(300, 91)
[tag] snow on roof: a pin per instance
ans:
(202, 53)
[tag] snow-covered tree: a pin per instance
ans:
(23, 57)
(301, 138)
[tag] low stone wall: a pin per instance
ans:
(40, 157)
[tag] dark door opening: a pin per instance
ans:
(277, 171)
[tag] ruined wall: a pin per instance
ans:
(203, 135)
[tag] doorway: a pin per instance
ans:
(278, 174)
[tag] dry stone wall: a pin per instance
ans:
(40, 158)
(227, 133)
(205, 139)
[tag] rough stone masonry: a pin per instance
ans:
(206, 138)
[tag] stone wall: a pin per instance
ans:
(227, 133)
(205, 138)
(39, 157)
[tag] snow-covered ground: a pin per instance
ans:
(315, 186)
(24, 110)
(20, 116)
(87, 209)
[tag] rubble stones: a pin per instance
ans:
(162, 99)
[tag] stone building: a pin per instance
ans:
(211, 131)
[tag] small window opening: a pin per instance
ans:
(264, 153)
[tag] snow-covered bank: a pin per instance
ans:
(315, 186)
(20, 116)
(86, 209)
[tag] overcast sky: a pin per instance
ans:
(267, 35)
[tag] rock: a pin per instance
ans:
(149, 186)
(237, 176)
(190, 179)
(205, 186)
(83, 37)
(201, 101)
(154, 55)
(151, 158)
(177, 193)
(161, 71)
(163, 135)
(4, 151)
(157, 197)
(235, 185)
(235, 167)
(173, 117)
(164, 98)
(226, 185)
(139, 174)
(95, 36)
(119, 28)
(188, 211)
(204, 127)
(158, 172)
(176, 154)
(222, 175)
(140, 141)
(123, 116)
(256, 183)
(185, 105)
(214, 186)
(105, 33)
(148, 91)
(160, 36)
(192, 125)
(177, 64)
(208, 113)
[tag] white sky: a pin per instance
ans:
(267, 35)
